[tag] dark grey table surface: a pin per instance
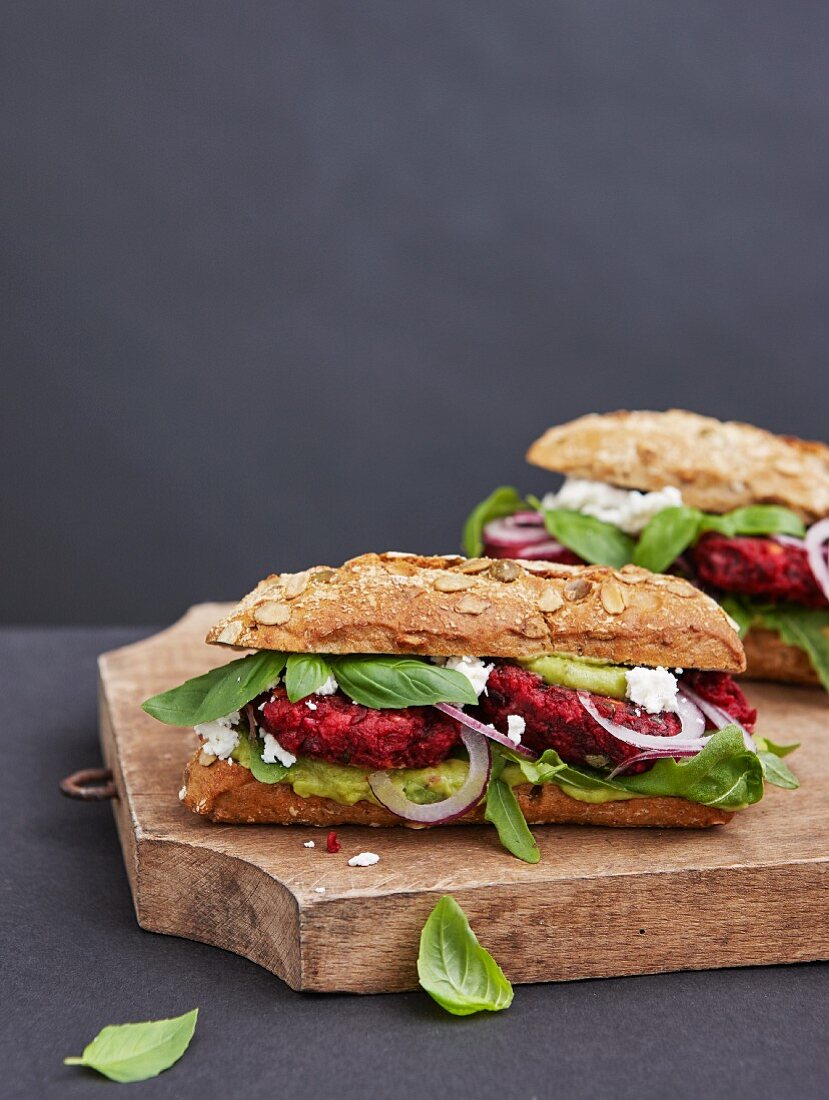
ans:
(74, 960)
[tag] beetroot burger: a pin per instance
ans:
(737, 510)
(405, 690)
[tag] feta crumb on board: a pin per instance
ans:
(182, 793)
(515, 728)
(627, 509)
(273, 752)
(309, 844)
(364, 859)
(220, 738)
(319, 889)
(653, 689)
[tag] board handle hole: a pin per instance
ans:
(89, 785)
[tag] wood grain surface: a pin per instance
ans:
(601, 901)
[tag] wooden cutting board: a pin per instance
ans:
(601, 901)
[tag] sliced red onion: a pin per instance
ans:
(549, 550)
(816, 537)
(505, 533)
(788, 540)
(438, 813)
(528, 519)
(692, 718)
(718, 717)
(486, 731)
(649, 754)
(641, 740)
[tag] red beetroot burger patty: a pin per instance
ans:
(720, 689)
(342, 732)
(556, 719)
(756, 566)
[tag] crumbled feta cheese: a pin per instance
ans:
(309, 844)
(624, 508)
(654, 689)
(328, 688)
(473, 668)
(273, 752)
(220, 738)
(310, 705)
(515, 728)
(364, 859)
(182, 793)
(319, 889)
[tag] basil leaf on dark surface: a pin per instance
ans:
(804, 627)
(454, 969)
(504, 501)
(135, 1052)
(756, 519)
(305, 672)
(666, 536)
(595, 541)
(776, 772)
(395, 682)
(503, 811)
(218, 692)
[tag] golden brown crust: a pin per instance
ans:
(717, 466)
(398, 603)
(769, 658)
(228, 793)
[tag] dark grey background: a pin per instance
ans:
(74, 960)
(284, 282)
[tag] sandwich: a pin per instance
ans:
(738, 511)
(420, 691)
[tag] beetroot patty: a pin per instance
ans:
(757, 567)
(720, 689)
(343, 732)
(556, 719)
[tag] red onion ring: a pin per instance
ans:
(649, 754)
(788, 540)
(717, 716)
(692, 718)
(505, 533)
(641, 740)
(438, 813)
(484, 730)
(816, 536)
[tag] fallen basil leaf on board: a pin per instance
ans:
(454, 969)
(134, 1052)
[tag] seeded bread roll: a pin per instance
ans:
(443, 606)
(717, 466)
(228, 793)
(768, 657)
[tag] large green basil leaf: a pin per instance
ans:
(756, 519)
(504, 501)
(503, 811)
(135, 1052)
(454, 969)
(666, 536)
(594, 541)
(217, 693)
(804, 627)
(394, 682)
(305, 672)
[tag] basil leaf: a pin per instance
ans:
(394, 682)
(249, 755)
(454, 969)
(503, 811)
(305, 673)
(666, 536)
(756, 519)
(592, 539)
(776, 772)
(504, 501)
(218, 692)
(134, 1052)
(804, 627)
(765, 745)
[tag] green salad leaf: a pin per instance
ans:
(504, 501)
(776, 772)
(804, 627)
(396, 682)
(248, 753)
(740, 611)
(592, 539)
(305, 672)
(503, 811)
(454, 969)
(764, 744)
(135, 1052)
(756, 519)
(218, 692)
(666, 536)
